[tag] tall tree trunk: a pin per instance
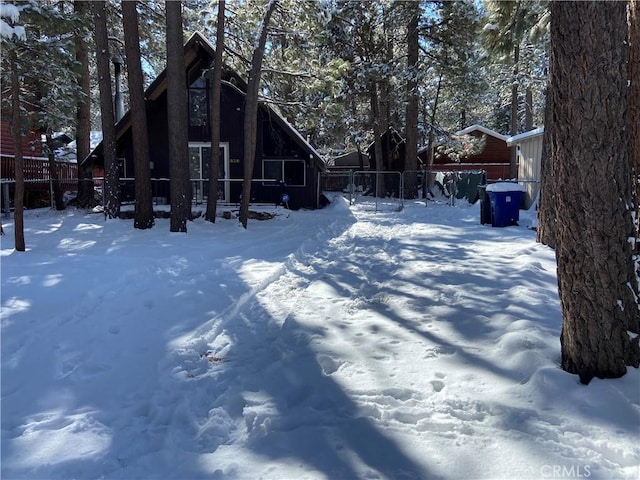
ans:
(377, 139)
(86, 196)
(251, 113)
(216, 87)
(547, 216)
(178, 120)
(513, 163)
(528, 109)
(16, 125)
(111, 186)
(385, 89)
(56, 190)
(590, 143)
(411, 119)
(634, 114)
(143, 213)
(431, 140)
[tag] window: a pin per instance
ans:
(291, 172)
(198, 103)
(200, 167)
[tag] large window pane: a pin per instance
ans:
(294, 173)
(194, 163)
(273, 170)
(291, 172)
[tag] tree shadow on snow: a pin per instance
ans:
(305, 418)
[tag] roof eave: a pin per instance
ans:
(515, 139)
(482, 129)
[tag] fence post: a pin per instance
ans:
(52, 200)
(6, 206)
(352, 186)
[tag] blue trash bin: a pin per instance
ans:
(505, 200)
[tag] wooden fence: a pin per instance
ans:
(37, 180)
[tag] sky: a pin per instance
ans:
(342, 343)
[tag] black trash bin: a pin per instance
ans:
(485, 205)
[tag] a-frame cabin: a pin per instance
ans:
(285, 163)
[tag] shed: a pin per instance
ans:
(529, 145)
(284, 161)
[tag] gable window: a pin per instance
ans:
(198, 103)
(291, 172)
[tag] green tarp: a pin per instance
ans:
(468, 186)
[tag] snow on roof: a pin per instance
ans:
(482, 129)
(203, 37)
(524, 136)
(68, 153)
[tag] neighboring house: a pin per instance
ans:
(356, 161)
(529, 145)
(494, 158)
(37, 184)
(284, 160)
(341, 169)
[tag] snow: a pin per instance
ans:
(515, 139)
(12, 13)
(505, 187)
(330, 344)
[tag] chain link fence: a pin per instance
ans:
(367, 190)
(388, 191)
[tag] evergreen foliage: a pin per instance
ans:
(44, 62)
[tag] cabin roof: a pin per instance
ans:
(480, 128)
(351, 159)
(515, 139)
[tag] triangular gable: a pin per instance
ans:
(194, 60)
(480, 128)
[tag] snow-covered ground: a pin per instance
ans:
(330, 344)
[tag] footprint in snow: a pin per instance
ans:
(438, 385)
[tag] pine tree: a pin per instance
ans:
(177, 114)
(251, 111)
(111, 184)
(216, 87)
(512, 27)
(634, 116)
(143, 214)
(86, 194)
(411, 119)
(596, 278)
(39, 43)
(16, 123)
